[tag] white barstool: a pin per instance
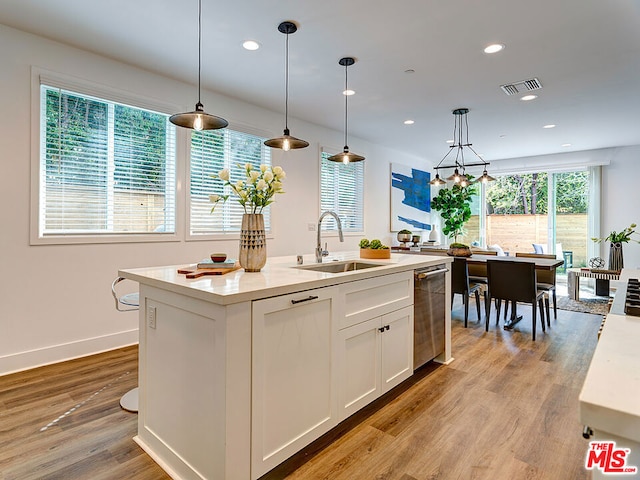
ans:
(127, 303)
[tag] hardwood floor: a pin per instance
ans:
(505, 408)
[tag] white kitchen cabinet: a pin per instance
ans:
(375, 356)
(294, 395)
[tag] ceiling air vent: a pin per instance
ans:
(522, 86)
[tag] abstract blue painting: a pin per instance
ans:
(410, 198)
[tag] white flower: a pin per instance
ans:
(224, 174)
(279, 173)
(255, 191)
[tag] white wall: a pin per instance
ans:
(55, 299)
(621, 200)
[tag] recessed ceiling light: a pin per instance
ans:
(349, 92)
(449, 141)
(528, 98)
(409, 122)
(551, 125)
(251, 45)
(494, 48)
(566, 145)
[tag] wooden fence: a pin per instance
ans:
(517, 233)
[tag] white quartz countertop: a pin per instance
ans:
(278, 277)
(610, 397)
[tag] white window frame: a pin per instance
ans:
(328, 228)
(41, 76)
(231, 235)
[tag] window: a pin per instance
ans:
(342, 191)
(104, 167)
(211, 151)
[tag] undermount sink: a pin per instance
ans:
(339, 267)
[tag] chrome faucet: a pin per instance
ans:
(319, 251)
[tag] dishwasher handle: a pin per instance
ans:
(423, 275)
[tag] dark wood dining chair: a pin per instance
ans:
(460, 284)
(478, 273)
(514, 282)
(546, 281)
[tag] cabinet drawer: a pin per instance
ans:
(376, 296)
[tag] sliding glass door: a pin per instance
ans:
(540, 212)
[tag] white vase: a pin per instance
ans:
(434, 235)
(253, 243)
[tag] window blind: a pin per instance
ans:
(105, 167)
(211, 151)
(342, 191)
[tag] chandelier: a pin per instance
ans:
(460, 134)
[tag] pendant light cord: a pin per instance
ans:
(346, 103)
(199, 45)
(286, 84)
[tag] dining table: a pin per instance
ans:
(478, 267)
(478, 264)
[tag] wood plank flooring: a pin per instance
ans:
(505, 408)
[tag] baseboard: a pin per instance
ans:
(59, 353)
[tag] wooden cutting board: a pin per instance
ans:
(194, 272)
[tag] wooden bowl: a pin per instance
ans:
(381, 253)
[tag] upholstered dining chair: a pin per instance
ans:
(546, 281)
(514, 282)
(460, 284)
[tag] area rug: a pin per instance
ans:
(597, 306)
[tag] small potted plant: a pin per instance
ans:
(616, 239)
(374, 249)
(404, 236)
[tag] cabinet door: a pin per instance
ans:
(360, 366)
(396, 347)
(294, 398)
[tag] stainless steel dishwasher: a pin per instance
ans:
(429, 313)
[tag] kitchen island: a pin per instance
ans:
(240, 371)
(610, 396)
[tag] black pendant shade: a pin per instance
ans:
(346, 156)
(286, 142)
(198, 119)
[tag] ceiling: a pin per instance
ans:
(586, 54)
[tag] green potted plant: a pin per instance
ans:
(404, 236)
(454, 205)
(616, 239)
(374, 249)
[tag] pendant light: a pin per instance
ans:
(198, 119)
(460, 132)
(346, 156)
(286, 142)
